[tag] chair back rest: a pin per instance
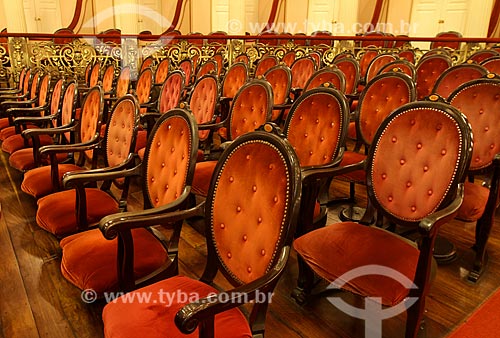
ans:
(419, 155)
(251, 108)
(331, 75)
(315, 42)
(242, 58)
(365, 59)
(22, 75)
(162, 70)
(479, 101)
(455, 76)
(143, 87)
(401, 65)
(280, 79)
(207, 67)
(121, 131)
(316, 125)
(170, 158)
(249, 220)
(408, 55)
(43, 90)
(428, 71)
(482, 54)
(123, 82)
(68, 107)
(219, 60)
(27, 81)
(316, 56)
(187, 67)
(379, 98)
(171, 91)
(91, 117)
(55, 99)
(289, 58)
(203, 100)
(492, 64)
(378, 62)
(302, 69)
(448, 44)
(94, 75)
(108, 78)
(350, 67)
(265, 63)
(235, 78)
(147, 63)
(374, 43)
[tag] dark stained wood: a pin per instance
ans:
(36, 301)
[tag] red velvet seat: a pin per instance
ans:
(454, 76)
(148, 62)
(246, 242)
(415, 172)
(79, 207)
(429, 68)
(447, 44)
(44, 180)
(120, 260)
(492, 64)
(161, 71)
(478, 100)
(289, 58)
(251, 109)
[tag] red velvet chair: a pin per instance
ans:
(331, 75)
(289, 58)
(377, 63)
(478, 100)
(235, 77)
(415, 172)
(302, 69)
(364, 59)
(148, 62)
(36, 106)
(47, 116)
(243, 57)
(408, 54)
(208, 67)
(80, 207)
(352, 72)
(454, 76)
(318, 42)
(374, 43)
(482, 54)
(447, 44)
(492, 64)
(429, 68)
(251, 108)
(247, 243)
(280, 79)
(108, 80)
(401, 65)
(28, 158)
(19, 81)
(264, 64)
(143, 91)
(162, 71)
(133, 256)
(83, 133)
(186, 66)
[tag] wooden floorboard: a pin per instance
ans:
(36, 301)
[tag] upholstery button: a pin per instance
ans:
(402, 161)
(332, 124)
(429, 192)
(325, 157)
(275, 199)
(443, 152)
(254, 188)
(301, 117)
(322, 138)
(477, 159)
(158, 143)
(390, 198)
(222, 226)
(492, 146)
(111, 152)
(259, 220)
(176, 195)
(317, 121)
(439, 126)
(384, 176)
(245, 238)
(166, 186)
(408, 184)
(394, 139)
(271, 166)
(263, 252)
(486, 128)
(238, 209)
(172, 150)
(426, 168)
(169, 127)
(175, 171)
(310, 153)
(231, 179)
(419, 145)
(413, 208)
(229, 255)
(157, 199)
(412, 122)
(481, 111)
(249, 269)
(163, 164)
(152, 179)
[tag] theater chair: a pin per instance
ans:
(324, 75)
(265, 63)
(36, 106)
(251, 108)
(289, 58)
(429, 68)
(250, 226)
(48, 115)
(492, 64)
(161, 72)
(129, 255)
(377, 63)
(79, 206)
(478, 100)
(454, 76)
(302, 69)
(350, 67)
(186, 66)
(401, 65)
(19, 88)
(482, 54)
(148, 62)
(280, 79)
(82, 134)
(236, 76)
(415, 171)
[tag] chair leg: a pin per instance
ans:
(305, 282)
(415, 319)
(483, 229)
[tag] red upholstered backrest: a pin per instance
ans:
(21, 78)
(479, 100)
(148, 62)
(187, 67)
(408, 55)
(418, 160)
(120, 131)
(171, 92)
(203, 101)
(91, 116)
(302, 69)
(55, 99)
(381, 96)
(107, 78)
(455, 76)
(289, 58)
(143, 86)
(34, 86)
(169, 159)
(242, 58)
(316, 125)
(208, 67)
(235, 78)
(26, 82)
(266, 63)
(350, 67)
(365, 60)
(428, 71)
(449, 44)
(492, 64)
(162, 71)
(280, 79)
(324, 75)
(94, 75)
(123, 82)
(400, 66)
(219, 60)
(251, 108)
(68, 105)
(378, 62)
(43, 90)
(247, 214)
(483, 54)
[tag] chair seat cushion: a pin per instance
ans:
(23, 159)
(56, 212)
(339, 248)
(351, 130)
(202, 176)
(37, 182)
(155, 318)
(223, 133)
(89, 260)
(16, 142)
(4, 123)
(474, 203)
(141, 140)
(351, 157)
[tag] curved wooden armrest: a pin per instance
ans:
(15, 102)
(79, 178)
(351, 97)
(48, 131)
(111, 225)
(189, 317)
(430, 224)
(53, 149)
(23, 120)
(12, 98)
(332, 171)
(25, 111)
(214, 126)
(9, 91)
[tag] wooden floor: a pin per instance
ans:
(36, 301)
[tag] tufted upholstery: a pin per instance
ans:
(107, 79)
(208, 67)
(365, 60)
(289, 58)
(147, 63)
(186, 66)
(483, 54)
(428, 71)
(324, 75)
(350, 67)
(377, 63)
(415, 166)
(454, 76)
(401, 65)
(264, 64)
(203, 101)
(234, 79)
(280, 79)
(94, 75)
(123, 82)
(408, 55)
(242, 58)
(91, 117)
(219, 60)
(448, 44)
(171, 92)
(143, 87)
(492, 64)
(302, 69)
(161, 72)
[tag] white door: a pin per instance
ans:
(42, 16)
(150, 16)
(220, 15)
(252, 24)
(321, 15)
